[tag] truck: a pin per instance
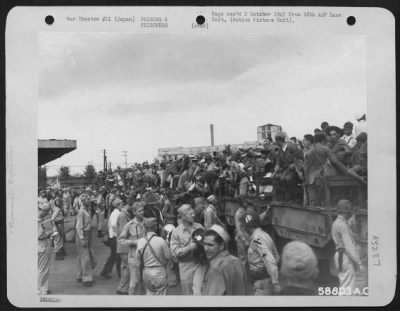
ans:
(287, 221)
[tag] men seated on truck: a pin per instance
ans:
(288, 165)
(359, 156)
(338, 145)
(320, 161)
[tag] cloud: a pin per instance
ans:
(143, 92)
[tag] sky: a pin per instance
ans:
(141, 92)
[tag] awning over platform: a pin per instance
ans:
(51, 149)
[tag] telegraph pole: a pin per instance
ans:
(125, 155)
(104, 160)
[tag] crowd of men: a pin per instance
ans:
(164, 225)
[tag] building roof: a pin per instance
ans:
(51, 149)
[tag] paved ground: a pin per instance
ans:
(63, 272)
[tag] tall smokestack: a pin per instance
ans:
(212, 134)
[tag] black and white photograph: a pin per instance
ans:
(203, 164)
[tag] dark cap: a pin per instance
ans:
(348, 125)
(334, 128)
(151, 198)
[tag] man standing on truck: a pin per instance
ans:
(320, 161)
(287, 164)
(263, 257)
(346, 258)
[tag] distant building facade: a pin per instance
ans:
(173, 153)
(267, 130)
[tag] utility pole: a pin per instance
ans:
(104, 160)
(125, 155)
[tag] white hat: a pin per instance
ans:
(221, 232)
(299, 263)
(212, 198)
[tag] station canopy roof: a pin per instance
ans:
(51, 149)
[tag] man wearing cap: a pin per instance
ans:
(360, 155)
(76, 206)
(45, 233)
(194, 168)
(83, 241)
(100, 206)
(225, 274)
(324, 126)
(131, 233)
(153, 256)
(210, 213)
(335, 143)
(168, 210)
(126, 214)
(262, 257)
(152, 202)
(299, 269)
(320, 161)
(110, 198)
(42, 198)
(288, 158)
(112, 241)
(242, 237)
(67, 202)
(182, 247)
(348, 134)
(347, 260)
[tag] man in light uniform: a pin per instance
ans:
(77, 204)
(153, 255)
(100, 211)
(131, 233)
(67, 201)
(124, 217)
(242, 237)
(348, 136)
(346, 258)
(112, 242)
(225, 274)
(263, 257)
(42, 198)
(210, 213)
(182, 247)
(45, 232)
(83, 240)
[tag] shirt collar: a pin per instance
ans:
(342, 218)
(284, 147)
(150, 234)
(217, 258)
